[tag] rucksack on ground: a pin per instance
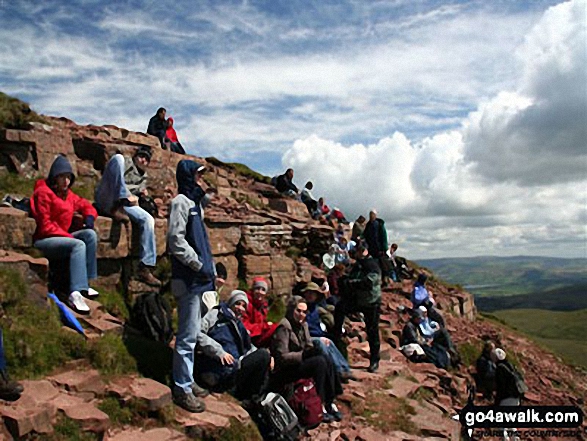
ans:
(306, 403)
(151, 315)
(275, 418)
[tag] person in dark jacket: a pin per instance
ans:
(485, 367)
(361, 292)
(53, 206)
(123, 183)
(375, 235)
(158, 125)
(296, 357)
(506, 391)
(435, 352)
(229, 361)
(358, 228)
(192, 274)
(284, 183)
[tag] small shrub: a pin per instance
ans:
(119, 415)
(14, 184)
(238, 431)
(470, 351)
(114, 303)
(110, 356)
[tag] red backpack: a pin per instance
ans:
(306, 403)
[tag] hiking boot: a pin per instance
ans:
(199, 391)
(119, 215)
(345, 377)
(333, 411)
(188, 402)
(373, 367)
(77, 303)
(9, 390)
(144, 275)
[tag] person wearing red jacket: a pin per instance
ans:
(255, 317)
(171, 136)
(53, 206)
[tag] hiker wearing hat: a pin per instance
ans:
(192, 274)
(361, 292)
(318, 331)
(509, 385)
(255, 318)
(53, 206)
(228, 360)
(123, 182)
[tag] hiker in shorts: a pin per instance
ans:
(123, 183)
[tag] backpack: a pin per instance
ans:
(306, 403)
(148, 204)
(275, 419)
(519, 383)
(151, 315)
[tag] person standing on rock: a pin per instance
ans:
(158, 126)
(53, 206)
(358, 228)
(192, 274)
(123, 182)
(361, 292)
(376, 237)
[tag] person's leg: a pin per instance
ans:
(372, 327)
(90, 239)
(62, 248)
(332, 352)
(112, 187)
(146, 224)
(252, 375)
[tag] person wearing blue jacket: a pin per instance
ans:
(227, 360)
(192, 274)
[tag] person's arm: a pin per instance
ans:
(281, 348)
(177, 244)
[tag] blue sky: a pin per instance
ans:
(463, 122)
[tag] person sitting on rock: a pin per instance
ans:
(436, 352)
(284, 184)
(296, 357)
(333, 280)
(485, 371)
(439, 335)
(9, 390)
(229, 361)
(361, 292)
(171, 137)
(53, 206)
(158, 126)
(123, 182)
(324, 209)
(255, 317)
(422, 297)
(358, 228)
(319, 331)
(309, 201)
(192, 274)
(345, 247)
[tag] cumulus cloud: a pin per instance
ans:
(511, 180)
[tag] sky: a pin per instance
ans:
(463, 123)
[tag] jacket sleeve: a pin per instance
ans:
(210, 347)
(177, 245)
(281, 348)
(383, 233)
(83, 206)
(255, 329)
(46, 226)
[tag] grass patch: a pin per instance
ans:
(114, 303)
(65, 429)
(254, 202)
(16, 114)
(14, 184)
(385, 413)
(242, 169)
(119, 415)
(110, 355)
(276, 310)
(470, 351)
(238, 431)
(293, 252)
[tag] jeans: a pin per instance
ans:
(332, 352)
(189, 300)
(81, 252)
(111, 189)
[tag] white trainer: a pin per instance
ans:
(77, 303)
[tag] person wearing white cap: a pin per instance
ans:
(507, 392)
(228, 360)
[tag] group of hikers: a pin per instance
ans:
(231, 345)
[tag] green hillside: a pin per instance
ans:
(562, 332)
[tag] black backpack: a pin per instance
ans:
(148, 204)
(151, 315)
(519, 382)
(275, 418)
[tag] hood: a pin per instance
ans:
(186, 185)
(170, 119)
(59, 166)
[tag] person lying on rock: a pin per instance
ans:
(171, 137)
(158, 126)
(361, 292)
(318, 331)
(53, 206)
(255, 317)
(228, 360)
(123, 183)
(192, 274)
(296, 357)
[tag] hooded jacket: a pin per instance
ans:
(290, 338)
(376, 237)
(52, 213)
(157, 127)
(171, 133)
(364, 281)
(187, 238)
(255, 318)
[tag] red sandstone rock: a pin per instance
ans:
(154, 394)
(158, 434)
(80, 381)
